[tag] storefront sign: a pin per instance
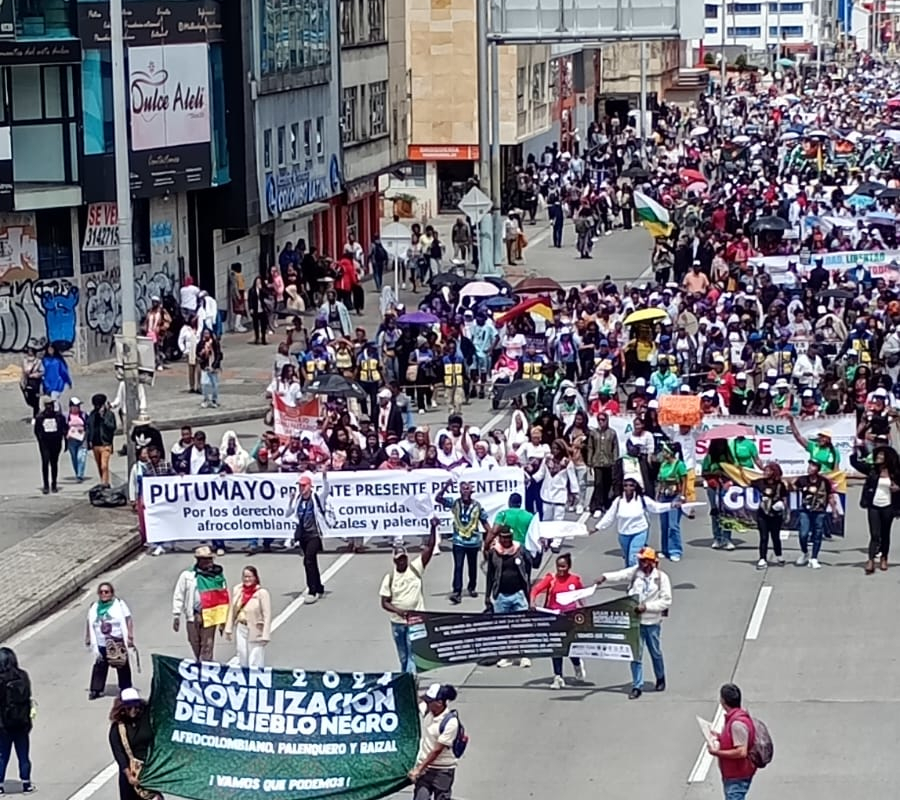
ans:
(443, 152)
(295, 188)
(102, 229)
(152, 23)
(179, 169)
(227, 733)
(357, 191)
(607, 631)
(13, 54)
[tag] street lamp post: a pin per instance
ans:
(123, 206)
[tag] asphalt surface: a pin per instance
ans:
(809, 650)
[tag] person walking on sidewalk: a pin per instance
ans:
(76, 441)
(402, 594)
(32, 378)
(652, 590)
(209, 357)
(188, 339)
(732, 746)
(109, 634)
(202, 618)
(56, 378)
(50, 429)
(100, 432)
(508, 571)
(16, 714)
(250, 615)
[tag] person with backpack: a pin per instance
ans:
(402, 593)
(15, 718)
(630, 513)
(378, 258)
(743, 746)
(443, 742)
(652, 590)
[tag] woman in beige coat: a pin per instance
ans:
(251, 614)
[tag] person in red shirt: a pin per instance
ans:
(719, 217)
(732, 746)
(547, 591)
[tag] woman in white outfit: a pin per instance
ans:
(251, 614)
(559, 485)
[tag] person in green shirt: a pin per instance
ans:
(821, 450)
(745, 453)
(670, 485)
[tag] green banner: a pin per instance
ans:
(227, 733)
(608, 631)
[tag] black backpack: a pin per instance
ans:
(15, 713)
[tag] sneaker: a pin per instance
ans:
(802, 560)
(660, 684)
(814, 563)
(558, 682)
(309, 598)
(158, 550)
(635, 694)
(403, 286)
(473, 593)
(220, 552)
(675, 559)
(204, 404)
(579, 508)
(597, 514)
(779, 560)
(525, 663)
(716, 545)
(762, 564)
(729, 545)
(455, 599)
(580, 672)
(28, 788)
(504, 662)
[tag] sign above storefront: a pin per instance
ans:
(152, 23)
(442, 152)
(14, 54)
(295, 188)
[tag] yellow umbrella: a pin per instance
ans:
(645, 315)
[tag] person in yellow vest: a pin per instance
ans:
(454, 377)
(343, 358)
(370, 374)
(316, 362)
(533, 363)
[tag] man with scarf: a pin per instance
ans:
(201, 595)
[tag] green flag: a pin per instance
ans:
(228, 733)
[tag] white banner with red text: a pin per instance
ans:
(350, 504)
(772, 435)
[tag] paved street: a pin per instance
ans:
(809, 652)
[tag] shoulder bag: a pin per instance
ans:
(135, 766)
(116, 653)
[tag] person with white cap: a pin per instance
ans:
(388, 418)
(130, 738)
(402, 593)
(435, 767)
(186, 602)
(821, 449)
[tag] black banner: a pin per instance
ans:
(63, 51)
(606, 631)
(152, 23)
(178, 169)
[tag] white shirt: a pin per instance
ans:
(188, 339)
(198, 459)
(188, 296)
(630, 516)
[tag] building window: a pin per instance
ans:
(786, 31)
(295, 144)
(267, 148)
(539, 83)
(43, 19)
(376, 21)
(710, 29)
(349, 115)
(282, 146)
(746, 32)
(521, 79)
(307, 139)
(295, 36)
(554, 80)
(744, 8)
(348, 22)
(54, 233)
(786, 8)
(378, 108)
(320, 138)
(140, 230)
(711, 11)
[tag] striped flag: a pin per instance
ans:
(655, 218)
(214, 599)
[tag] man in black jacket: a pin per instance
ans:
(50, 428)
(508, 570)
(99, 432)
(388, 417)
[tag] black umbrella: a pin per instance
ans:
(636, 174)
(869, 188)
(516, 388)
(337, 386)
(500, 283)
(890, 194)
(837, 294)
(770, 224)
(450, 279)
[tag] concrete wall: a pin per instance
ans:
(621, 67)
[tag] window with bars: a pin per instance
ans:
(307, 139)
(539, 83)
(378, 124)
(520, 89)
(348, 22)
(320, 138)
(349, 115)
(295, 142)
(377, 31)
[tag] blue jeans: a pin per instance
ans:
(650, 640)
(714, 497)
(510, 603)
(631, 545)
(209, 383)
(78, 452)
(20, 741)
(400, 631)
(811, 522)
(378, 274)
(670, 533)
(736, 788)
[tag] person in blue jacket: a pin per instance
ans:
(56, 373)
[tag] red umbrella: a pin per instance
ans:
(726, 432)
(894, 102)
(692, 176)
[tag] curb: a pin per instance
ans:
(70, 584)
(219, 417)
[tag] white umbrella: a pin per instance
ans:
(893, 135)
(818, 134)
(479, 289)
(790, 136)
(700, 130)
(742, 139)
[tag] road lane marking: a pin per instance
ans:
(759, 612)
(96, 783)
(705, 759)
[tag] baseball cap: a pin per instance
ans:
(400, 551)
(130, 696)
(74, 401)
(647, 554)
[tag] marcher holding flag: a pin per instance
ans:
(201, 595)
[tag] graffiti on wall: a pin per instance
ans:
(103, 310)
(37, 311)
